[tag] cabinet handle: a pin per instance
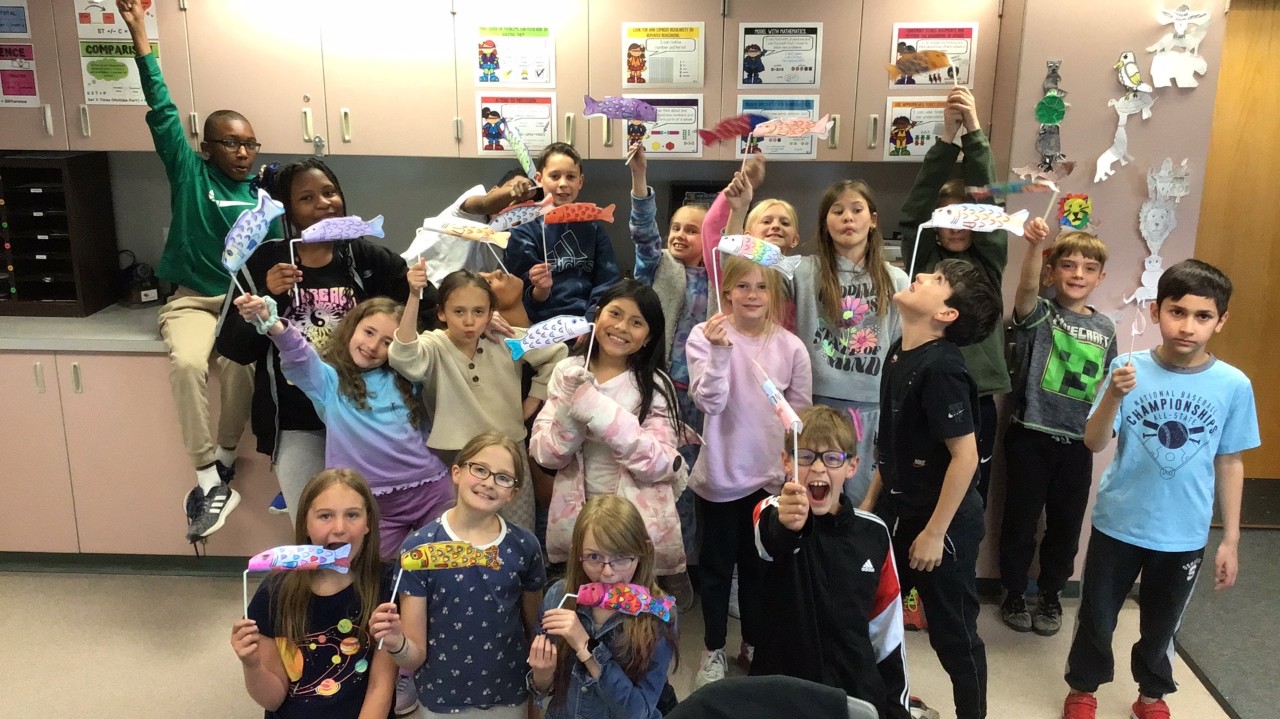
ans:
(194, 118)
(84, 121)
(569, 126)
(457, 129)
(47, 118)
(346, 124)
(608, 132)
(833, 139)
(39, 372)
(77, 385)
(873, 132)
(307, 126)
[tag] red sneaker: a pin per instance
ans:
(1155, 710)
(1080, 706)
(913, 612)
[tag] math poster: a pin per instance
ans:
(777, 107)
(106, 54)
(533, 115)
(958, 40)
(14, 20)
(911, 126)
(515, 57)
(657, 54)
(18, 76)
(675, 134)
(780, 55)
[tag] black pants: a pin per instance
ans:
(1110, 568)
(1050, 474)
(950, 597)
(728, 538)
(986, 436)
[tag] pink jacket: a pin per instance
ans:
(597, 427)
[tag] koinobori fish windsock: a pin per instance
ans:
(449, 555)
(548, 333)
(760, 252)
(343, 228)
(621, 108)
(469, 230)
(978, 218)
(294, 558)
(632, 599)
(248, 231)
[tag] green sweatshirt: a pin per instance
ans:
(989, 250)
(205, 202)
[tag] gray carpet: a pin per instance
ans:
(1231, 639)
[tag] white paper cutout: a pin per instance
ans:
(1152, 269)
(1137, 99)
(1168, 182)
(1118, 152)
(1178, 68)
(1132, 104)
(1177, 59)
(1129, 74)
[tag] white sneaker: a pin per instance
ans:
(713, 667)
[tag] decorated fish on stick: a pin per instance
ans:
(1013, 187)
(248, 231)
(621, 108)
(342, 228)
(731, 127)
(296, 558)
(760, 252)
(517, 215)
(970, 216)
(516, 140)
(632, 599)
(548, 333)
(449, 555)
(468, 230)
(911, 64)
(794, 127)
(577, 212)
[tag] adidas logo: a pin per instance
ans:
(866, 566)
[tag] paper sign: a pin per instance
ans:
(533, 115)
(911, 126)
(662, 54)
(18, 76)
(780, 54)
(107, 67)
(775, 107)
(515, 57)
(959, 40)
(676, 131)
(13, 19)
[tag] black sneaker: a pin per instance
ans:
(1048, 617)
(1014, 612)
(212, 512)
(191, 503)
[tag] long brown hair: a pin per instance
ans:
(619, 530)
(828, 274)
(293, 599)
(350, 377)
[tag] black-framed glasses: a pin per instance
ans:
(481, 472)
(832, 459)
(596, 562)
(233, 144)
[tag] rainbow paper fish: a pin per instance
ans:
(760, 252)
(468, 230)
(302, 557)
(979, 218)
(548, 333)
(248, 231)
(342, 228)
(731, 127)
(517, 215)
(449, 555)
(577, 212)
(794, 127)
(1013, 187)
(632, 599)
(621, 108)
(917, 63)
(516, 140)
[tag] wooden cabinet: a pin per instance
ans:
(41, 127)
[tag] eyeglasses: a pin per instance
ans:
(832, 459)
(596, 562)
(233, 144)
(481, 472)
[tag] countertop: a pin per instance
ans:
(114, 329)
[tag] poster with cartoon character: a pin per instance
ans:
(777, 107)
(780, 54)
(107, 68)
(531, 114)
(675, 134)
(958, 40)
(911, 125)
(662, 54)
(511, 56)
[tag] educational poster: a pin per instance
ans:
(532, 115)
(780, 54)
(912, 40)
(516, 57)
(18, 76)
(911, 126)
(106, 54)
(662, 54)
(778, 107)
(13, 20)
(675, 134)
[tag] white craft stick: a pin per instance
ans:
(915, 252)
(591, 341)
(545, 256)
(496, 256)
(565, 600)
(1053, 200)
(293, 261)
(1138, 327)
(246, 594)
(237, 281)
(394, 588)
(422, 290)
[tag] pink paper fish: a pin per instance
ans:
(621, 108)
(794, 127)
(760, 252)
(632, 599)
(302, 557)
(248, 231)
(979, 218)
(731, 127)
(548, 333)
(343, 228)
(517, 215)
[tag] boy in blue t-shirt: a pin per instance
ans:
(1181, 417)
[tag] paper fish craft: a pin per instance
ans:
(731, 127)
(1013, 187)
(979, 218)
(632, 599)
(516, 140)
(917, 63)
(548, 333)
(449, 555)
(248, 231)
(302, 557)
(517, 215)
(781, 407)
(468, 230)
(577, 212)
(343, 228)
(760, 252)
(794, 127)
(621, 108)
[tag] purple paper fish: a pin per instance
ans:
(632, 599)
(302, 557)
(621, 108)
(248, 231)
(548, 333)
(343, 228)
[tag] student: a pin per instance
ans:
(375, 422)
(207, 193)
(329, 279)
(1065, 347)
(598, 662)
(929, 460)
(1181, 417)
(610, 426)
(830, 571)
(465, 632)
(305, 647)
(730, 356)
(579, 255)
(989, 251)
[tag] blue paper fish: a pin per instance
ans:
(548, 333)
(342, 228)
(621, 108)
(248, 231)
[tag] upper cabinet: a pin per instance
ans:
(31, 103)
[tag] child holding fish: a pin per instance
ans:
(608, 634)
(469, 608)
(305, 645)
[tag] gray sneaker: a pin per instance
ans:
(1048, 617)
(212, 512)
(406, 695)
(1014, 612)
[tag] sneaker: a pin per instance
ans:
(913, 612)
(1080, 706)
(1013, 610)
(212, 512)
(746, 654)
(1155, 710)
(1048, 617)
(680, 587)
(713, 667)
(191, 504)
(277, 505)
(920, 710)
(406, 695)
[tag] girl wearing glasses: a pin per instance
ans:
(598, 662)
(464, 631)
(730, 356)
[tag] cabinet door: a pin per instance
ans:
(873, 80)
(120, 127)
(41, 126)
(263, 60)
(396, 95)
(837, 69)
(38, 511)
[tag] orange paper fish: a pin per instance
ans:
(916, 63)
(577, 212)
(468, 230)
